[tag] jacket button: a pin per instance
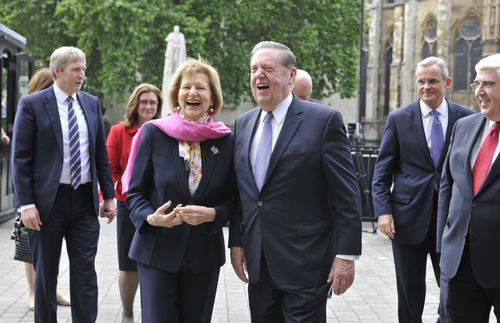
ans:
(260, 203)
(474, 204)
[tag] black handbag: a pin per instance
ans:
(21, 237)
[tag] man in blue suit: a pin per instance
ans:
(469, 205)
(299, 230)
(406, 183)
(59, 158)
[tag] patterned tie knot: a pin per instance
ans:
(496, 126)
(70, 99)
(435, 114)
(269, 117)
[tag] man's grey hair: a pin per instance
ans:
(432, 60)
(64, 55)
(287, 57)
(489, 62)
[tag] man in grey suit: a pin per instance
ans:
(469, 205)
(299, 231)
(58, 159)
(406, 183)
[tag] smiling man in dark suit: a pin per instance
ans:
(469, 205)
(300, 226)
(406, 183)
(59, 158)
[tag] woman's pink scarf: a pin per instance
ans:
(178, 128)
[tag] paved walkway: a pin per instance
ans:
(372, 298)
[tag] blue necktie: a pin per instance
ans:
(437, 138)
(264, 151)
(74, 146)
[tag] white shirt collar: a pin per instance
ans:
(442, 108)
(61, 96)
(489, 125)
(280, 111)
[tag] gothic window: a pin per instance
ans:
(429, 47)
(468, 51)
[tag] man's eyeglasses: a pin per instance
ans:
(487, 85)
(150, 102)
(422, 82)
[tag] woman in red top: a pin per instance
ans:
(144, 104)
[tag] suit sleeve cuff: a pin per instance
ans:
(27, 206)
(347, 257)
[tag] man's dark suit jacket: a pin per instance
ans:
(37, 150)
(461, 213)
(158, 176)
(310, 196)
(405, 162)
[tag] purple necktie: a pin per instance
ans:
(264, 151)
(74, 146)
(437, 138)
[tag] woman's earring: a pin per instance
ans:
(178, 108)
(211, 110)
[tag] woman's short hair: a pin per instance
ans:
(42, 79)
(131, 115)
(64, 55)
(190, 67)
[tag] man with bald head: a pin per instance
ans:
(303, 85)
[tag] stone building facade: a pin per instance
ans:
(400, 33)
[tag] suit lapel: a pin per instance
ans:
(207, 157)
(180, 169)
(471, 137)
(50, 105)
(494, 171)
(90, 118)
(290, 125)
(247, 132)
(418, 130)
(452, 118)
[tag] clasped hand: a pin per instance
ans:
(191, 214)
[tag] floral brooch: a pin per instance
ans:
(214, 150)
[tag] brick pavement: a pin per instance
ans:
(372, 298)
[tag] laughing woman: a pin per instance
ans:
(181, 192)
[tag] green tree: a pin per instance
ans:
(125, 40)
(323, 34)
(37, 21)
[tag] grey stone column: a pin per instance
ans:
(491, 27)
(411, 55)
(375, 51)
